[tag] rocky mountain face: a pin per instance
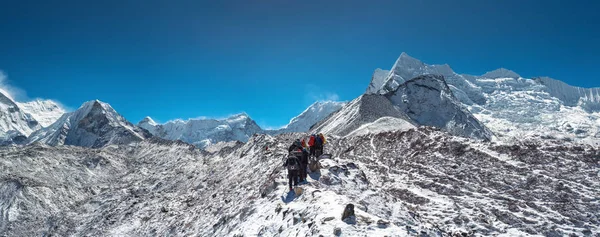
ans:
(95, 124)
(422, 101)
(427, 100)
(509, 105)
(204, 132)
(417, 182)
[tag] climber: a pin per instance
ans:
(304, 165)
(293, 166)
(311, 145)
(296, 149)
(319, 143)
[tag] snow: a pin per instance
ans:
(204, 132)
(94, 124)
(312, 115)
(501, 73)
(422, 181)
(384, 124)
(428, 101)
(512, 106)
(45, 112)
(363, 110)
(377, 80)
(14, 122)
(422, 101)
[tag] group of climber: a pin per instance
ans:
(301, 153)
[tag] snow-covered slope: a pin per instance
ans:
(46, 112)
(377, 80)
(420, 182)
(512, 106)
(15, 124)
(312, 115)
(94, 124)
(363, 110)
(204, 132)
(384, 124)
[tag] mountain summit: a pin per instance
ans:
(95, 124)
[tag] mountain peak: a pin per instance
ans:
(501, 73)
(407, 60)
(148, 120)
(94, 124)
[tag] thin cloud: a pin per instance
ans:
(11, 92)
(314, 93)
(19, 95)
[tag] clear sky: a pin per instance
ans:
(273, 58)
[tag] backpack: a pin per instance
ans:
(293, 163)
(311, 140)
(318, 141)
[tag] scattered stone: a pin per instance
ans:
(337, 231)
(164, 209)
(383, 223)
(326, 219)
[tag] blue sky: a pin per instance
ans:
(271, 59)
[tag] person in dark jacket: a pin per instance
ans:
(303, 165)
(293, 166)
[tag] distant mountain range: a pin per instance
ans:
(497, 105)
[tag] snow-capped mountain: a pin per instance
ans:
(15, 124)
(312, 115)
(204, 132)
(45, 112)
(509, 105)
(95, 124)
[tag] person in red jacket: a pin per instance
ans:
(311, 144)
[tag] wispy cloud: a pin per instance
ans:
(18, 94)
(315, 93)
(12, 92)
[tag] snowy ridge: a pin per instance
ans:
(312, 115)
(363, 110)
(95, 124)
(45, 112)
(377, 80)
(204, 132)
(384, 124)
